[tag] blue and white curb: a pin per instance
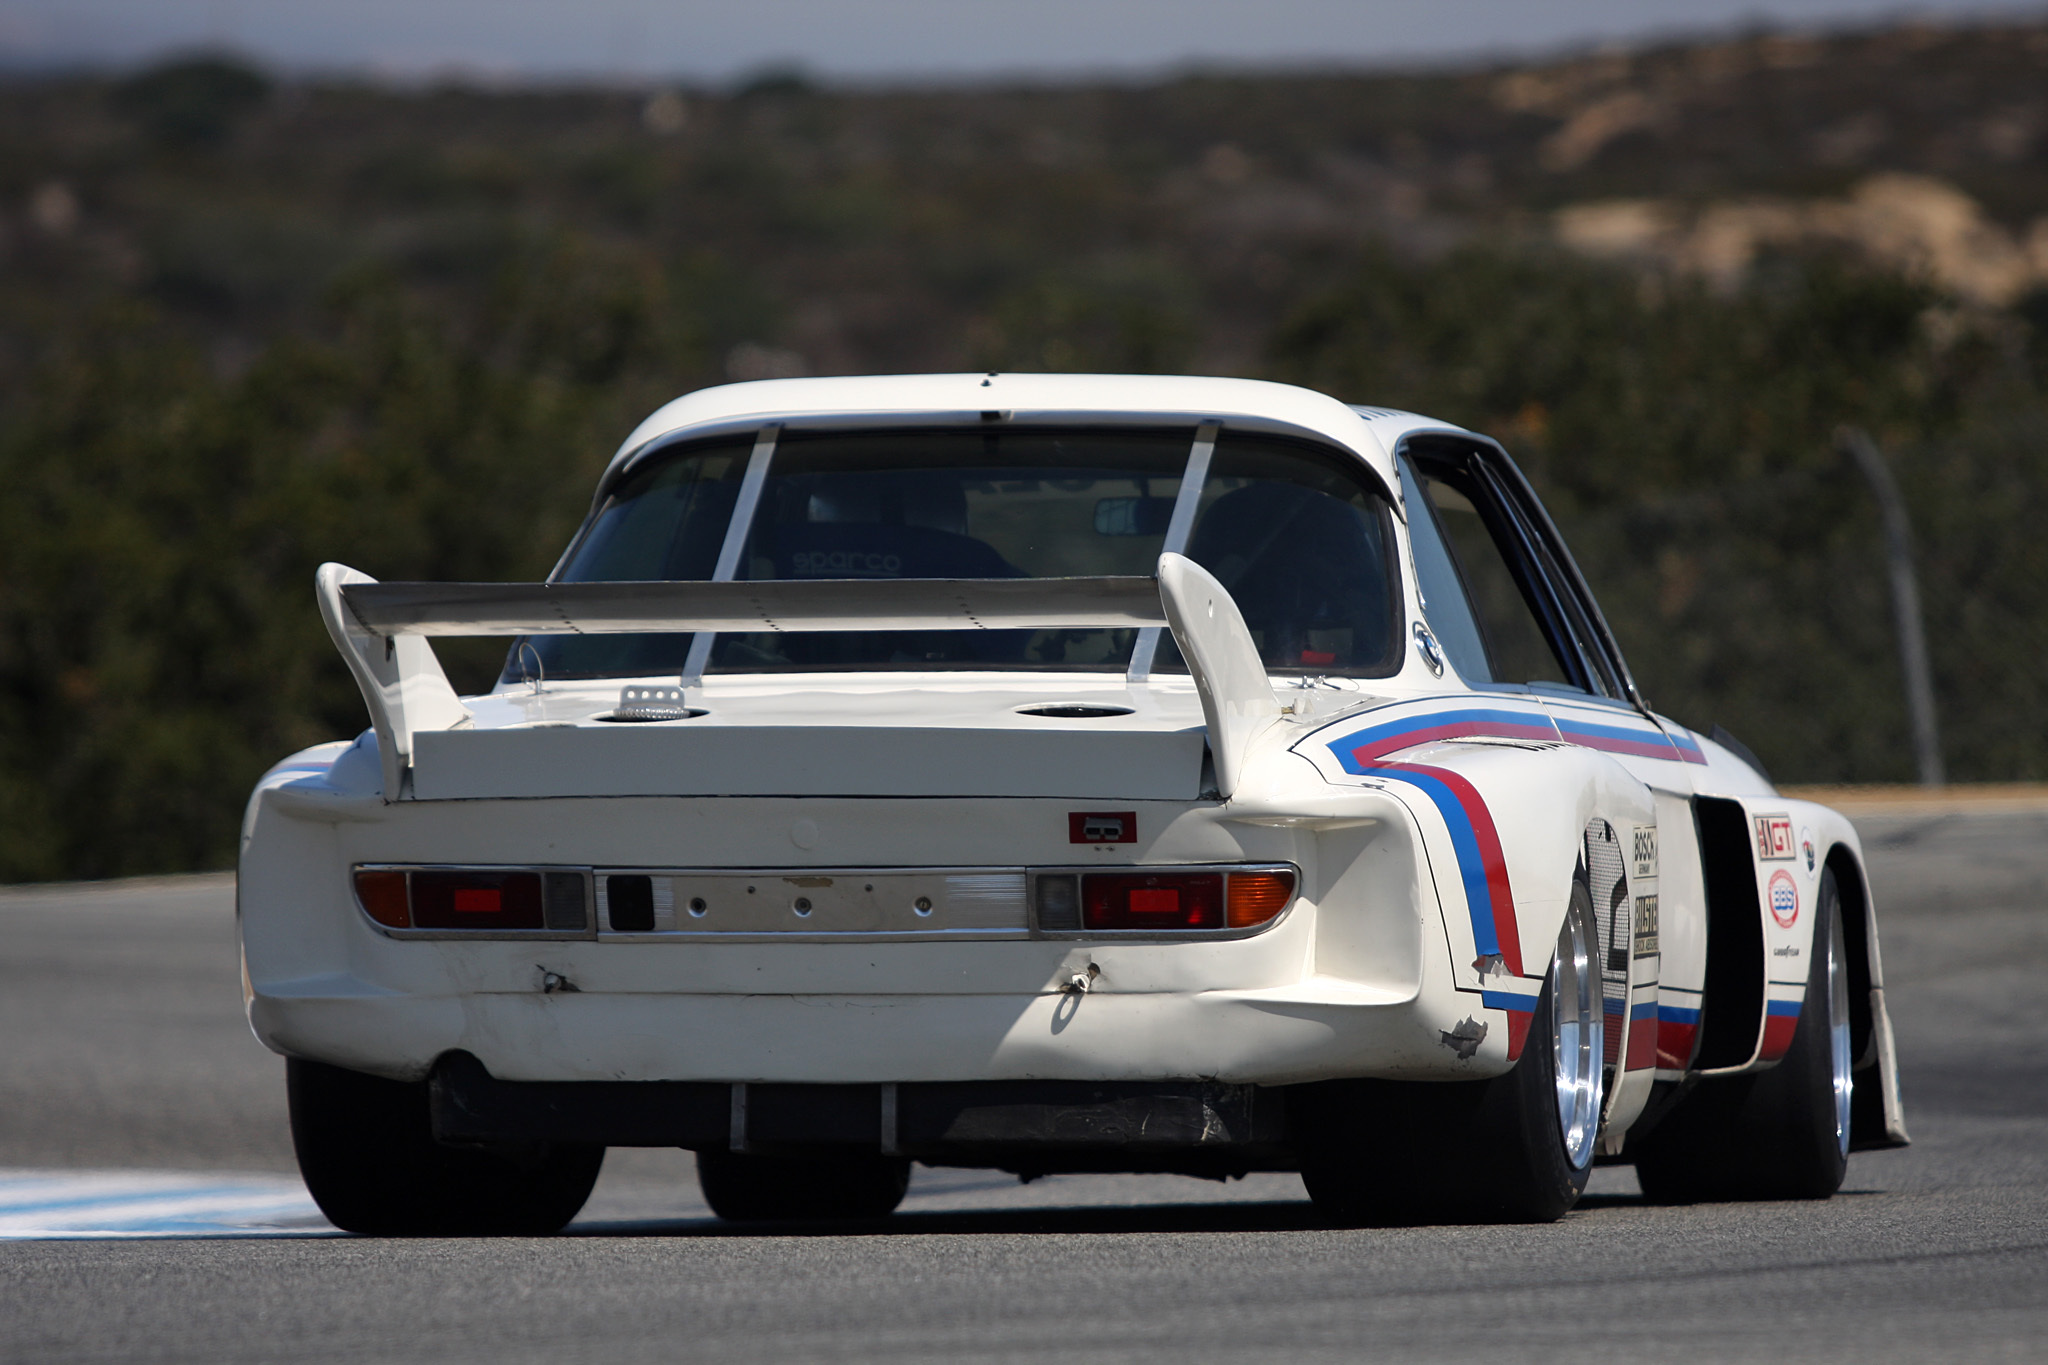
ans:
(42, 1204)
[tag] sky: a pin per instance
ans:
(875, 41)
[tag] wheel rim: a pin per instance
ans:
(1577, 1036)
(1838, 1032)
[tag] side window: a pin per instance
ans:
(1446, 600)
(1527, 632)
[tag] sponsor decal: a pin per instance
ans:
(1806, 846)
(1774, 838)
(1102, 827)
(1646, 926)
(846, 564)
(1643, 848)
(1784, 899)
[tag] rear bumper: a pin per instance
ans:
(1314, 1029)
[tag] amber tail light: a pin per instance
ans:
(1256, 897)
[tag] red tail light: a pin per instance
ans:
(1152, 900)
(382, 893)
(477, 900)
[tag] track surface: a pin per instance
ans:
(125, 1053)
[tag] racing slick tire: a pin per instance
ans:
(1776, 1134)
(367, 1151)
(746, 1188)
(1517, 1148)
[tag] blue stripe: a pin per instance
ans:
(1678, 1015)
(1471, 867)
(1630, 733)
(1783, 1008)
(1643, 1011)
(1616, 1006)
(1501, 1000)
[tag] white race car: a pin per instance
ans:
(1046, 773)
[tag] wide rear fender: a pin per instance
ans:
(1502, 828)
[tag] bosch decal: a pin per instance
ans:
(1643, 851)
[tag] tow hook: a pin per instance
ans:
(1080, 982)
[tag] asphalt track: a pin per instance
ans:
(148, 1212)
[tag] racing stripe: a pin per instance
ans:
(1482, 867)
(1642, 1037)
(1677, 1027)
(1688, 747)
(1781, 1019)
(1616, 739)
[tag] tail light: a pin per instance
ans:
(1257, 897)
(1194, 900)
(476, 900)
(1152, 900)
(488, 900)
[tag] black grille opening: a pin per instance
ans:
(629, 901)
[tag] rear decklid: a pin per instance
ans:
(844, 737)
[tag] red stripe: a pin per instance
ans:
(1674, 1044)
(1505, 931)
(1638, 748)
(1518, 1031)
(1778, 1030)
(1643, 1038)
(1415, 739)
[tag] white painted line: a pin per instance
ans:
(40, 1204)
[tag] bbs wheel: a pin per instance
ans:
(367, 1151)
(1776, 1134)
(1514, 1148)
(745, 1188)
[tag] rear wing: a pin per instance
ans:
(382, 631)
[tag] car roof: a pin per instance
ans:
(1370, 433)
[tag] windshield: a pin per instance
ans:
(1298, 533)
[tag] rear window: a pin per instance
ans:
(1298, 533)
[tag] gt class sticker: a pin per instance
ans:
(1784, 899)
(1774, 838)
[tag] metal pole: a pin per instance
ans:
(1898, 544)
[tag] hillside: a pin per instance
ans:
(248, 325)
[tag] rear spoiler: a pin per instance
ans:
(382, 629)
